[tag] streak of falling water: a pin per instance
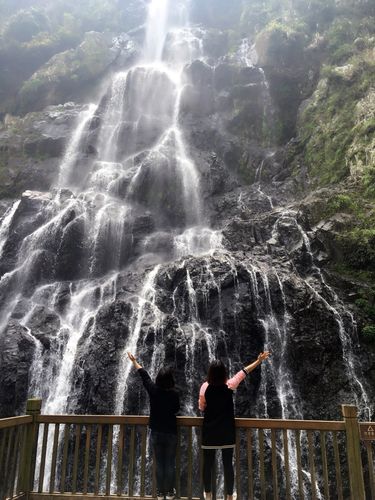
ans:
(146, 298)
(72, 151)
(108, 144)
(5, 225)
(156, 30)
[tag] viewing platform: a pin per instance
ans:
(61, 457)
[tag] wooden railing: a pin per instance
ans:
(67, 456)
(13, 452)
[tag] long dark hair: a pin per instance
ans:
(217, 373)
(165, 379)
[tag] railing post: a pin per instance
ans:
(33, 408)
(357, 488)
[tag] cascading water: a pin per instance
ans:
(343, 318)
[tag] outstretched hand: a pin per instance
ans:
(263, 356)
(132, 358)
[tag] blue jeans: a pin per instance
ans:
(164, 446)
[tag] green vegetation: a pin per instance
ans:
(337, 126)
(33, 31)
(368, 333)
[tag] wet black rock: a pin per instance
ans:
(31, 148)
(44, 325)
(96, 370)
(198, 74)
(16, 356)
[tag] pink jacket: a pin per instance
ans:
(232, 383)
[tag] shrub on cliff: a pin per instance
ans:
(25, 24)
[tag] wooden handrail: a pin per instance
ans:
(247, 423)
(6, 423)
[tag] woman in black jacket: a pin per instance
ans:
(219, 433)
(164, 405)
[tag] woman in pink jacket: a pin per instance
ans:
(216, 401)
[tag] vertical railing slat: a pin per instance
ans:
(371, 466)
(324, 464)
(120, 458)
(312, 464)
(190, 463)
(34, 454)
(65, 458)
(299, 465)
(274, 465)
(261, 464)
(238, 464)
(201, 485)
(178, 464)
(7, 458)
(153, 475)
(76, 458)
(143, 460)
(54, 458)
(337, 467)
(21, 459)
(4, 439)
(109, 460)
(250, 472)
(131, 461)
(286, 464)
(43, 458)
(87, 459)
(97, 459)
(13, 465)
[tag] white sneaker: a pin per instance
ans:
(170, 495)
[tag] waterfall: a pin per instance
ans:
(127, 223)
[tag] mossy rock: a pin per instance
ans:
(66, 73)
(337, 124)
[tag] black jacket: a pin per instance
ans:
(164, 404)
(218, 423)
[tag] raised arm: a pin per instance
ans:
(262, 357)
(235, 381)
(146, 379)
